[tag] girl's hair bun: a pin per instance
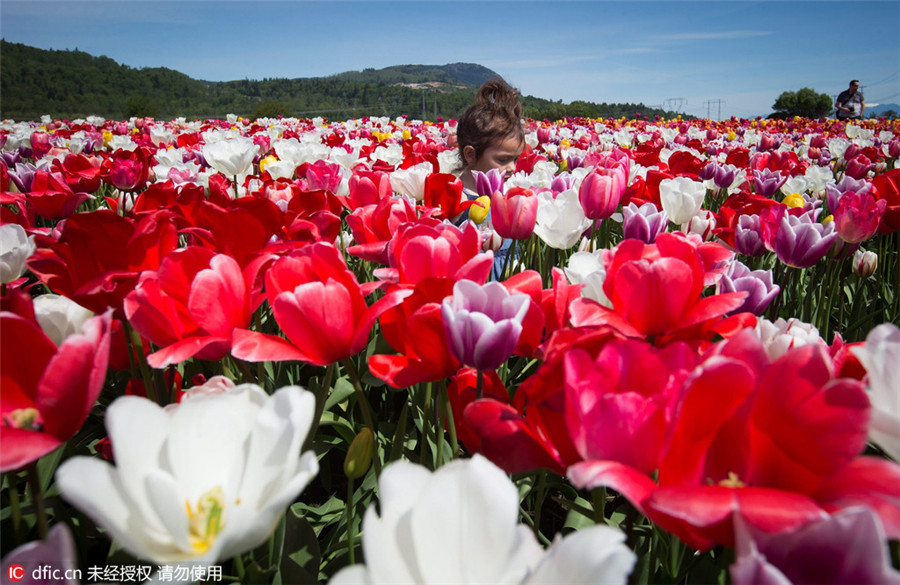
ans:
(498, 93)
(495, 115)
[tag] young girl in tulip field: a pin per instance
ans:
(490, 136)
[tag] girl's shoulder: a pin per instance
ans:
(471, 195)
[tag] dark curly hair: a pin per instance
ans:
(495, 115)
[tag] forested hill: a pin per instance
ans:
(73, 84)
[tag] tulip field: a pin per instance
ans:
(297, 351)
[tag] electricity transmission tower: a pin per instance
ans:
(719, 103)
(675, 104)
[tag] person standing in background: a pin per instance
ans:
(850, 104)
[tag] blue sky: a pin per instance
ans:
(722, 58)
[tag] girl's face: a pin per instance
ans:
(501, 155)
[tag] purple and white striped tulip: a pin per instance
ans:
(483, 323)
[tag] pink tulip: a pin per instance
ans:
(857, 216)
(601, 191)
(618, 405)
(321, 175)
(514, 215)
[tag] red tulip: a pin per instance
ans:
(430, 249)
(656, 290)
(51, 197)
(319, 306)
(190, 306)
(444, 192)
(47, 391)
(858, 167)
(373, 226)
(887, 186)
(367, 188)
(98, 256)
(82, 173)
(126, 170)
(777, 442)
(415, 329)
(324, 176)
(619, 405)
(461, 391)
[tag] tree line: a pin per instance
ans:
(70, 84)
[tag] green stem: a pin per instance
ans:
(479, 385)
(138, 350)
(365, 407)
(426, 420)
(245, 371)
(530, 522)
(239, 567)
(351, 537)
(15, 508)
(451, 425)
(37, 499)
(321, 398)
(540, 495)
(400, 433)
(439, 429)
(598, 498)
(506, 261)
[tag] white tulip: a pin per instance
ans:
(281, 169)
(411, 181)
(880, 355)
(232, 157)
(780, 336)
(201, 482)
(459, 525)
(15, 248)
(560, 220)
(59, 316)
(681, 198)
(392, 154)
(587, 268)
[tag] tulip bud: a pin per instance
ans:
(894, 148)
(479, 209)
(359, 455)
(701, 224)
(490, 240)
(852, 151)
(864, 263)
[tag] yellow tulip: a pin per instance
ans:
(266, 162)
(828, 218)
(794, 200)
(479, 210)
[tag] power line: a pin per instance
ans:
(887, 79)
(887, 97)
(717, 102)
(675, 104)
